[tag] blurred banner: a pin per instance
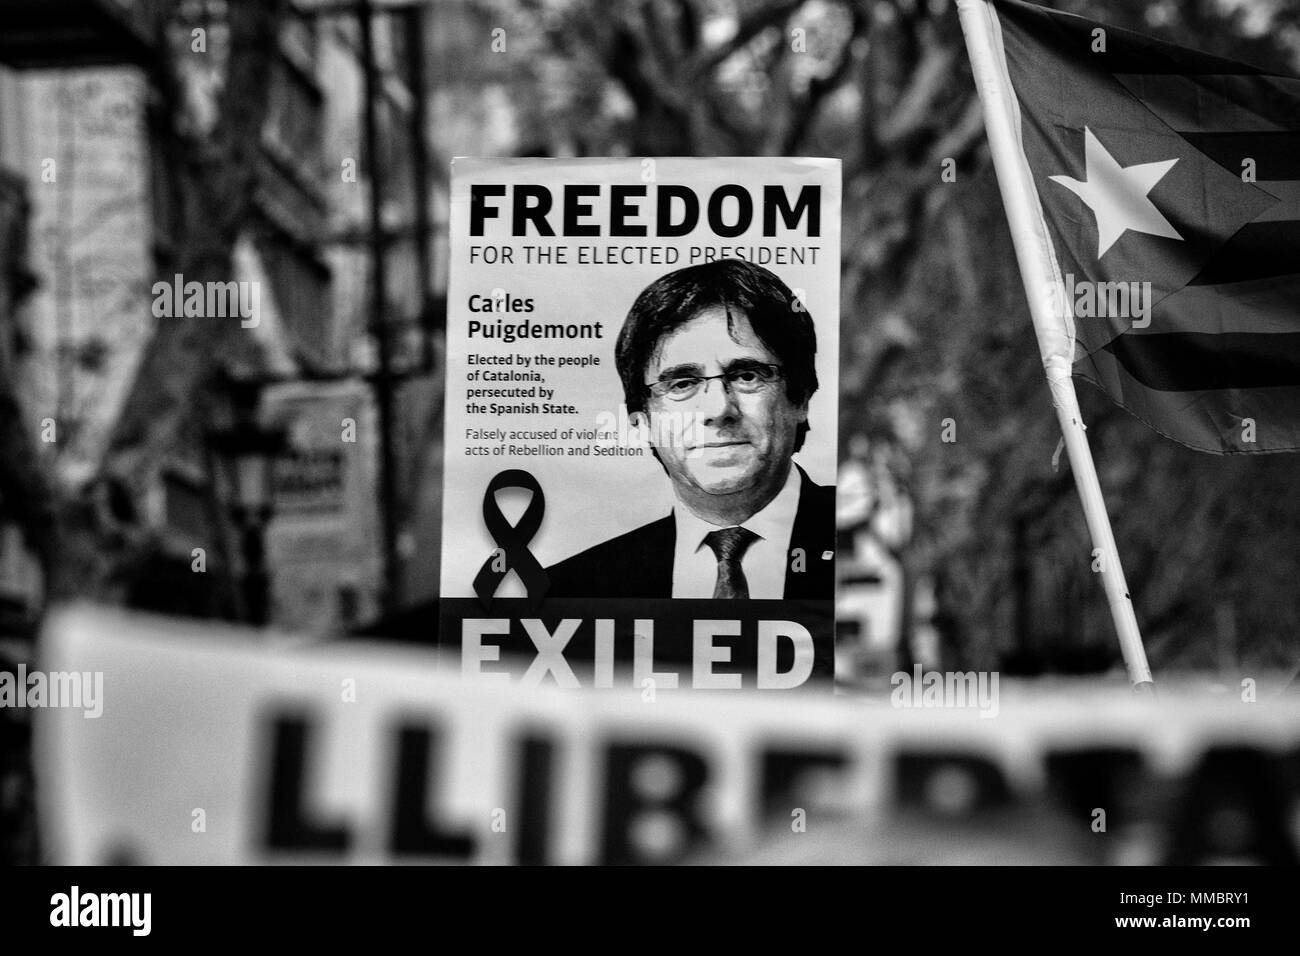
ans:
(642, 371)
(204, 745)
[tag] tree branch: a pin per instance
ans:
(750, 27)
(820, 87)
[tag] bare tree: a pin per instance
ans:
(209, 178)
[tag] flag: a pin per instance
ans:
(1169, 183)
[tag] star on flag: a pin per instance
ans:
(1117, 195)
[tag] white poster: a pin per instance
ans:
(641, 417)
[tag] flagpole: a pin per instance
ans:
(1048, 310)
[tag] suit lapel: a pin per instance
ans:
(654, 560)
(814, 532)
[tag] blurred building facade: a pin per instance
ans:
(91, 219)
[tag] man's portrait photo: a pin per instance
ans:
(717, 367)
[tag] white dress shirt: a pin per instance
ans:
(695, 566)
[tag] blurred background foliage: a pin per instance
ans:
(934, 322)
(934, 325)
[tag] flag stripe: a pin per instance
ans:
(1212, 421)
(1126, 51)
(1151, 57)
(1265, 307)
(1276, 154)
(1205, 361)
(1216, 103)
(1259, 250)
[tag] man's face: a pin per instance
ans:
(733, 443)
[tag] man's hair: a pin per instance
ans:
(779, 320)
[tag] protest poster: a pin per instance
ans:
(642, 371)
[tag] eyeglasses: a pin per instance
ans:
(741, 379)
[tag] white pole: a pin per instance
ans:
(1047, 307)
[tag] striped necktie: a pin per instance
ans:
(729, 546)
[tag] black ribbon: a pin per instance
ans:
(513, 540)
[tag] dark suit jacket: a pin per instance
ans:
(639, 564)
